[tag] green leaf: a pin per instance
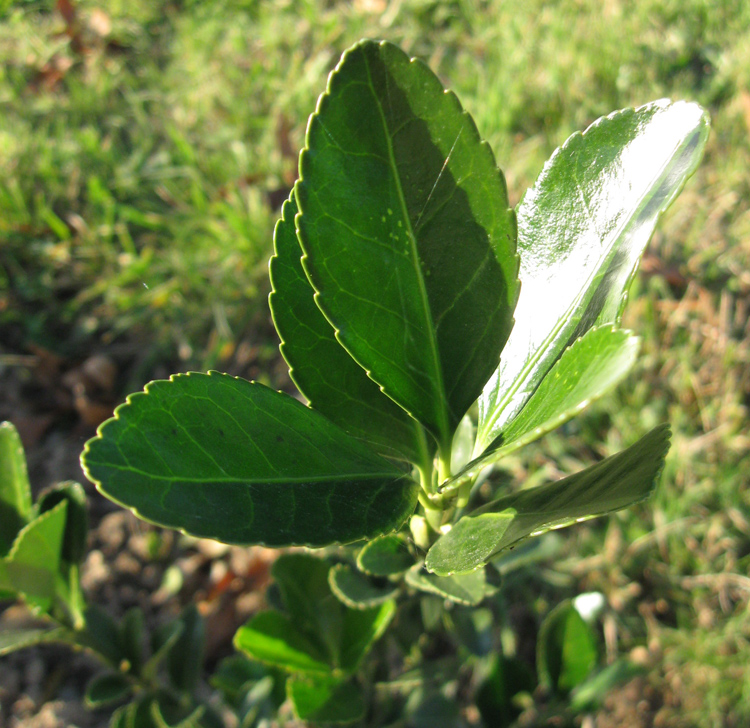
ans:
(612, 484)
(590, 694)
(31, 567)
(15, 491)
(223, 458)
(163, 640)
(407, 235)
(587, 370)
(306, 594)
(15, 639)
(323, 371)
(131, 638)
(101, 634)
(356, 590)
(385, 556)
(494, 699)
(272, 638)
(362, 628)
(428, 708)
(76, 533)
(566, 649)
(581, 230)
(185, 659)
(326, 699)
(470, 588)
(234, 674)
(104, 690)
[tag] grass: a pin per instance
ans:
(146, 148)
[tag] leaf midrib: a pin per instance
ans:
(444, 438)
(394, 475)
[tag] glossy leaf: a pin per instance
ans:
(107, 689)
(612, 484)
(14, 639)
(272, 638)
(581, 229)
(75, 538)
(31, 566)
(223, 458)
(322, 369)
(587, 370)
(566, 649)
(15, 491)
(385, 556)
(469, 588)
(326, 699)
(355, 590)
(407, 234)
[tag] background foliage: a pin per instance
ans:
(146, 148)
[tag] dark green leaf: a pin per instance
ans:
(587, 369)
(581, 230)
(356, 590)
(132, 637)
(470, 588)
(326, 700)
(506, 679)
(102, 635)
(473, 628)
(185, 659)
(15, 491)
(162, 641)
(614, 483)
(18, 638)
(166, 712)
(123, 717)
(431, 709)
(234, 673)
(31, 566)
(104, 690)
(224, 458)
(272, 638)
(77, 522)
(407, 234)
(321, 368)
(385, 556)
(566, 649)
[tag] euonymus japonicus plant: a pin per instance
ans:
(406, 291)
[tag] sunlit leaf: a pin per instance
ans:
(321, 368)
(581, 229)
(15, 492)
(407, 234)
(614, 483)
(587, 370)
(223, 458)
